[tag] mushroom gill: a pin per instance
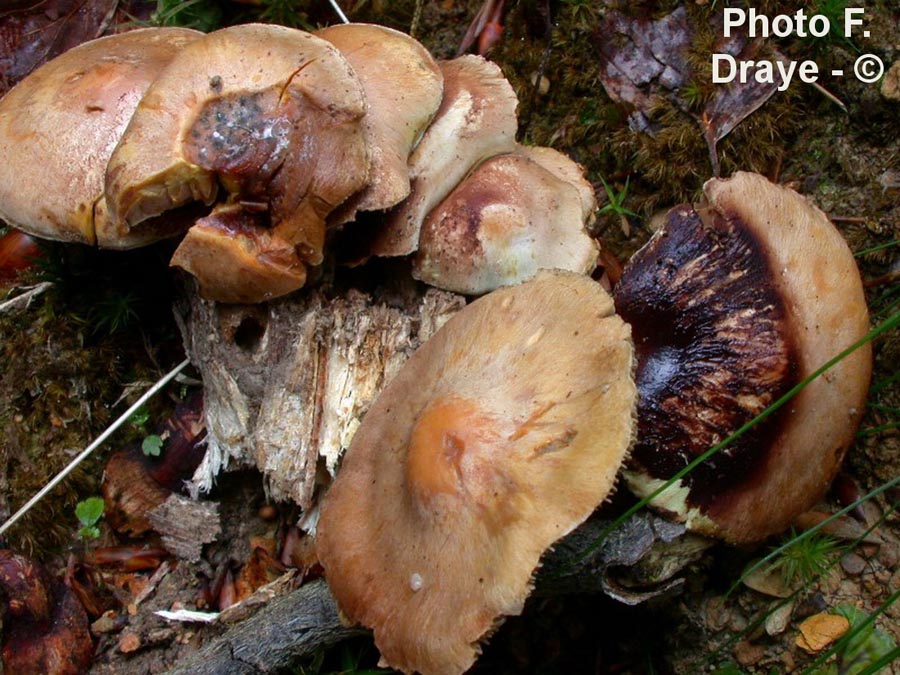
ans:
(732, 304)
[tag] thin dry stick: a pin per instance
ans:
(23, 300)
(93, 446)
(340, 12)
(827, 94)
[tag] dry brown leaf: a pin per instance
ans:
(45, 626)
(768, 581)
(821, 630)
(33, 33)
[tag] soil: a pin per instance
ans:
(105, 331)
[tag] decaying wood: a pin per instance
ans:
(306, 620)
(23, 300)
(186, 525)
(288, 628)
(287, 383)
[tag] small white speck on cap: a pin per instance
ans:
(416, 581)
(535, 337)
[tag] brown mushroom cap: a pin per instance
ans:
(500, 435)
(732, 304)
(58, 128)
(274, 113)
(476, 120)
(506, 220)
(404, 87)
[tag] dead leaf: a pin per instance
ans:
(843, 527)
(45, 626)
(134, 484)
(129, 642)
(645, 61)
(768, 581)
(260, 569)
(35, 32)
(778, 618)
(820, 630)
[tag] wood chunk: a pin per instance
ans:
(186, 525)
(287, 383)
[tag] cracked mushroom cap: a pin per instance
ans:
(404, 87)
(500, 435)
(476, 120)
(512, 216)
(273, 113)
(58, 128)
(732, 304)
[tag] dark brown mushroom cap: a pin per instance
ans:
(274, 113)
(732, 304)
(509, 218)
(58, 128)
(500, 435)
(476, 120)
(404, 87)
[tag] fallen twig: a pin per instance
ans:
(23, 300)
(307, 620)
(162, 382)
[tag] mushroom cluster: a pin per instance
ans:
(506, 429)
(446, 498)
(259, 142)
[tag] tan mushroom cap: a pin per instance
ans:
(236, 259)
(821, 311)
(274, 113)
(565, 169)
(476, 120)
(404, 87)
(505, 221)
(500, 435)
(58, 128)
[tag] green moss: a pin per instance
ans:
(63, 369)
